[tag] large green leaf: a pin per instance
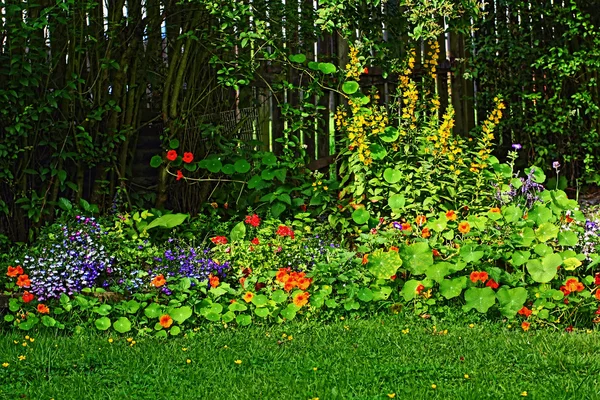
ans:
(102, 323)
(180, 314)
(298, 58)
(450, 288)
(168, 221)
(361, 216)
(327, 68)
(378, 152)
(238, 232)
(544, 270)
(480, 299)
(392, 175)
(122, 325)
(350, 87)
(396, 201)
(417, 257)
(511, 300)
(470, 253)
(390, 134)
(437, 271)
(383, 264)
(241, 166)
(409, 290)
(568, 238)
(546, 231)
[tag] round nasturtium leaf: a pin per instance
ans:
(181, 314)
(242, 166)
(350, 87)
(228, 169)
(383, 264)
(213, 165)
(392, 175)
(327, 68)
(378, 152)
(390, 134)
(544, 270)
(451, 288)
(122, 325)
(279, 296)
(174, 144)
(396, 201)
(156, 161)
(175, 330)
(103, 323)
(260, 300)
(360, 216)
(262, 312)
(511, 300)
(269, 159)
(365, 294)
(243, 319)
(298, 58)
(480, 299)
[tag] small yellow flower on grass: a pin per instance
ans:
(290, 337)
(184, 349)
(15, 342)
(24, 344)
(110, 340)
(225, 347)
(315, 368)
(471, 326)
(342, 318)
(5, 365)
(238, 362)
(467, 376)
(405, 331)
(22, 358)
(509, 326)
(31, 340)
(524, 394)
(434, 386)
(133, 342)
(284, 335)
(391, 395)
(129, 339)
(188, 361)
(27, 337)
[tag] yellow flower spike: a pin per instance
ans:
(5, 365)
(188, 361)
(22, 358)
(238, 362)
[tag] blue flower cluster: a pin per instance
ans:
(76, 261)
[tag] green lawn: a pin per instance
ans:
(349, 359)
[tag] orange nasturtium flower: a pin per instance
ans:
(420, 220)
(27, 297)
(394, 248)
(23, 281)
(301, 299)
(451, 215)
(464, 227)
(525, 326)
(166, 321)
(478, 276)
(425, 233)
(158, 281)
(43, 309)
(495, 210)
(406, 226)
(365, 259)
(248, 297)
(524, 311)
(597, 295)
(13, 272)
(573, 285)
(213, 280)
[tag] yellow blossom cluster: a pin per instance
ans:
(484, 143)
(410, 94)
(354, 68)
(434, 55)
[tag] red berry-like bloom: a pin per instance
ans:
(253, 220)
(188, 157)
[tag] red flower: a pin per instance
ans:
(477, 276)
(23, 281)
(171, 155)
(597, 280)
(406, 226)
(43, 309)
(365, 70)
(188, 157)
(525, 326)
(213, 280)
(285, 231)
(569, 328)
(27, 297)
(219, 240)
(420, 288)
(393, 277)
(255, 241)
(253, 220)
(179, 175)
(14, 271)
(565, 291)
(303, 207)
(492, 283)
(451, 215)
(524, 311)
(158, 281)
(573, 285)
(435, 253)
(259, 285)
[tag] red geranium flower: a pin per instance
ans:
(14, 271)
(253, 220)
(219, 240)
(171, 155)
(285, 231)
(179, 175)
(188, 157)
(27, 297)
